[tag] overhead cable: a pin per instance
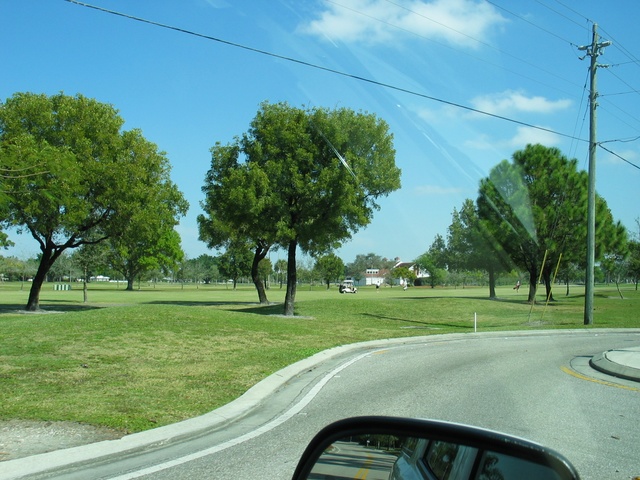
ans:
(616, 155)
(330, 70)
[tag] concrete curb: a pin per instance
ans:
(161, 436)
(616, 363)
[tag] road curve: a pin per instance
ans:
(517, 382)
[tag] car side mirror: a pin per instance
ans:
(411, 449)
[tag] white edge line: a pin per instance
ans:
(294, 410)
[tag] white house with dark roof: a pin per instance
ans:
(379, 276)
(411, 266)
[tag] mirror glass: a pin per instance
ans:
(389, 457)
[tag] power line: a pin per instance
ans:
(623, 140)
(627, 53)
(546, 30)
(327, 69)
(616, 155)
(575, 127)
(625, 82)
(349, 75)
(462, 52)
(481, 42)
(570, 9)
(486, 44)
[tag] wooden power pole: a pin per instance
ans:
(593, 51)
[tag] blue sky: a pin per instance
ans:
(517, 59)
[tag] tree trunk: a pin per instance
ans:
(290, 296)
(130, 282)
(618, 287)
(259, 254)
(85, 297)
(33, 303)
(547, 283)
(48, 258)
(532, 289)
(492, 283)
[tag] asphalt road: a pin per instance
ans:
(539, 387)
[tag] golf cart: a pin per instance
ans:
(347, 286)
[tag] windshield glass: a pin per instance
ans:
(274, 180)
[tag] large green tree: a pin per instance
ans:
(302, 179)
(238, 208)
(149, 241)
(12, 166)
(88, 186)
(534, 208)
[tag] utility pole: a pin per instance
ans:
(593, 51)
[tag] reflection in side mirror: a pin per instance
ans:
(378, 448)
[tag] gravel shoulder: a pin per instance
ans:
(23, 438)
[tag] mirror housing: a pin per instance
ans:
(488, 447)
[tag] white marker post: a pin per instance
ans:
(475, 322)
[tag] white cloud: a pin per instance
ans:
(522, 137)
(629, 155)
(457, 22)
(528, 135)
(509, 102)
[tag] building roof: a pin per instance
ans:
(408, 265)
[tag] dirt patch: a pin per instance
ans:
(23, 438)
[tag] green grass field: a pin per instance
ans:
(137, 360)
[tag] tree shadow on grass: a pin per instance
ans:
(517, 301)
(272, 309)
(46, 308)
(418, 323)
(197, 303)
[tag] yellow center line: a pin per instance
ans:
(364, 471)
(595, 380)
